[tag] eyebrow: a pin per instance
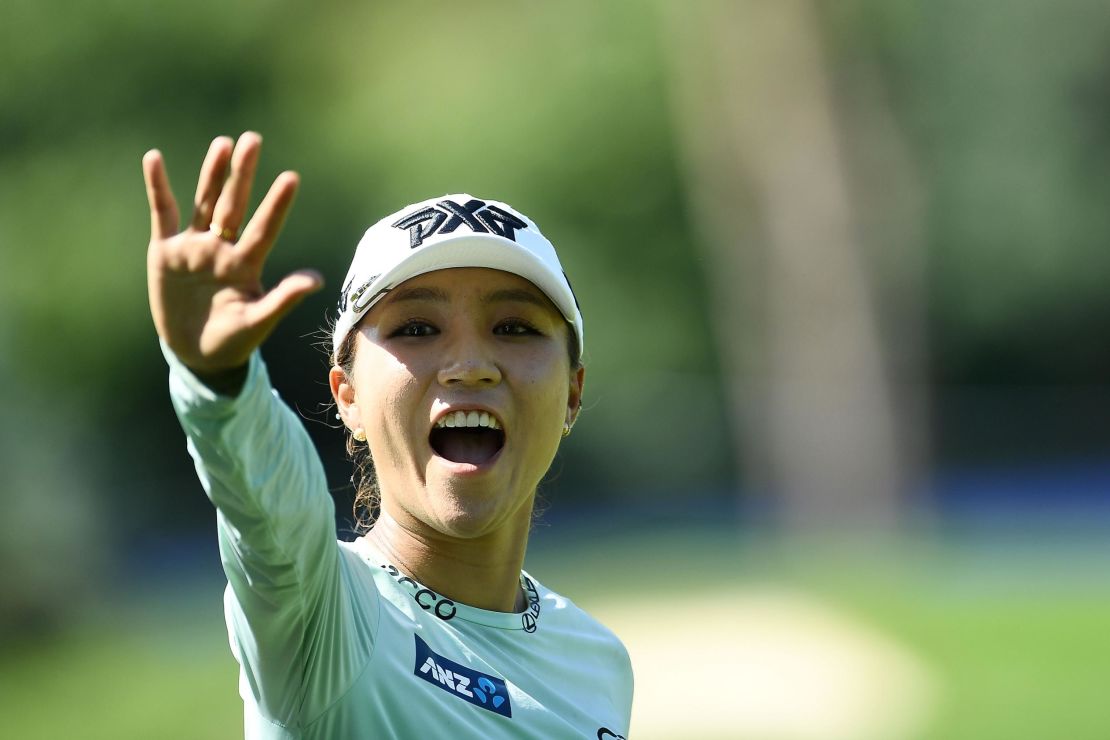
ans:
(419, 294)
(514, 294)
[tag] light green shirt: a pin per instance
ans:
(334, 642)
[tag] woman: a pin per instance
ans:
(456, 363)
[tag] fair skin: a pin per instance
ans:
(467, 339)
(472, 340)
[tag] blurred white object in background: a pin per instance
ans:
(767, 665)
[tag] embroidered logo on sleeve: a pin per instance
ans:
(480, 689)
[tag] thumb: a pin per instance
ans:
(284, 297)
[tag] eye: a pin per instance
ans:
(414, 328)
(515, 328)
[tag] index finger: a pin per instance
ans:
(262, 230)
(163, 207)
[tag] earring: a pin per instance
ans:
(359, 435)
(566, 428)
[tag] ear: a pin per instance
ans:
(574, 398)
(344, 394)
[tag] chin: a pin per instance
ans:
(469, 511)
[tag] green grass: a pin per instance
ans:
(1017, 662)
(146, 673)
(1016, 632)
(1018, 641)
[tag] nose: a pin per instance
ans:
(467, 364)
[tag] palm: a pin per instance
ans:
(206, 293)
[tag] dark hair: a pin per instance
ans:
(365, 480)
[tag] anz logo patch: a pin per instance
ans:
(480, 689)
(447, 215)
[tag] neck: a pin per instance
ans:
(483, 572)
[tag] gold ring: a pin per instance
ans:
(226, 234)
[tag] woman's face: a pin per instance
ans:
(462, 383)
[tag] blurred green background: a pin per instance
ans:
(844, 467)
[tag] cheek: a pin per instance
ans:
(386, 391)
(549, 386)
(405, 406)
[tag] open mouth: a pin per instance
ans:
(473, 437)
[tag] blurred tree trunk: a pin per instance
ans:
(777, 170)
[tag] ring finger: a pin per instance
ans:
(231, 207)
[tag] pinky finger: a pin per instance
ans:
(163, 207)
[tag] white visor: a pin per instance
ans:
(452, 231)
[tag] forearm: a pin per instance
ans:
(256, 464)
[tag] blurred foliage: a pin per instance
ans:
(1007, 106)
(560, 109)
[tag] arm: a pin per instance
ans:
(275, 519)
(286, 608)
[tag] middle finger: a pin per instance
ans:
(210, 183)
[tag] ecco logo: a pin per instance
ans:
(480, 689)
(427, 599)
(447, 215)
(605, 732)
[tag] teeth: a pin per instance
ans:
(468, 419)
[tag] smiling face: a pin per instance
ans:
(462, 382)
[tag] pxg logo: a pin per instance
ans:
(480, 689)
(447, 215)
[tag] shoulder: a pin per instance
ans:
(588, 649)
(563, 616)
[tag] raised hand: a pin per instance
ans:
(205, 286)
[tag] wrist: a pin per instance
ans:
(226, 382)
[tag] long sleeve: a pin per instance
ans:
(288, 602)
